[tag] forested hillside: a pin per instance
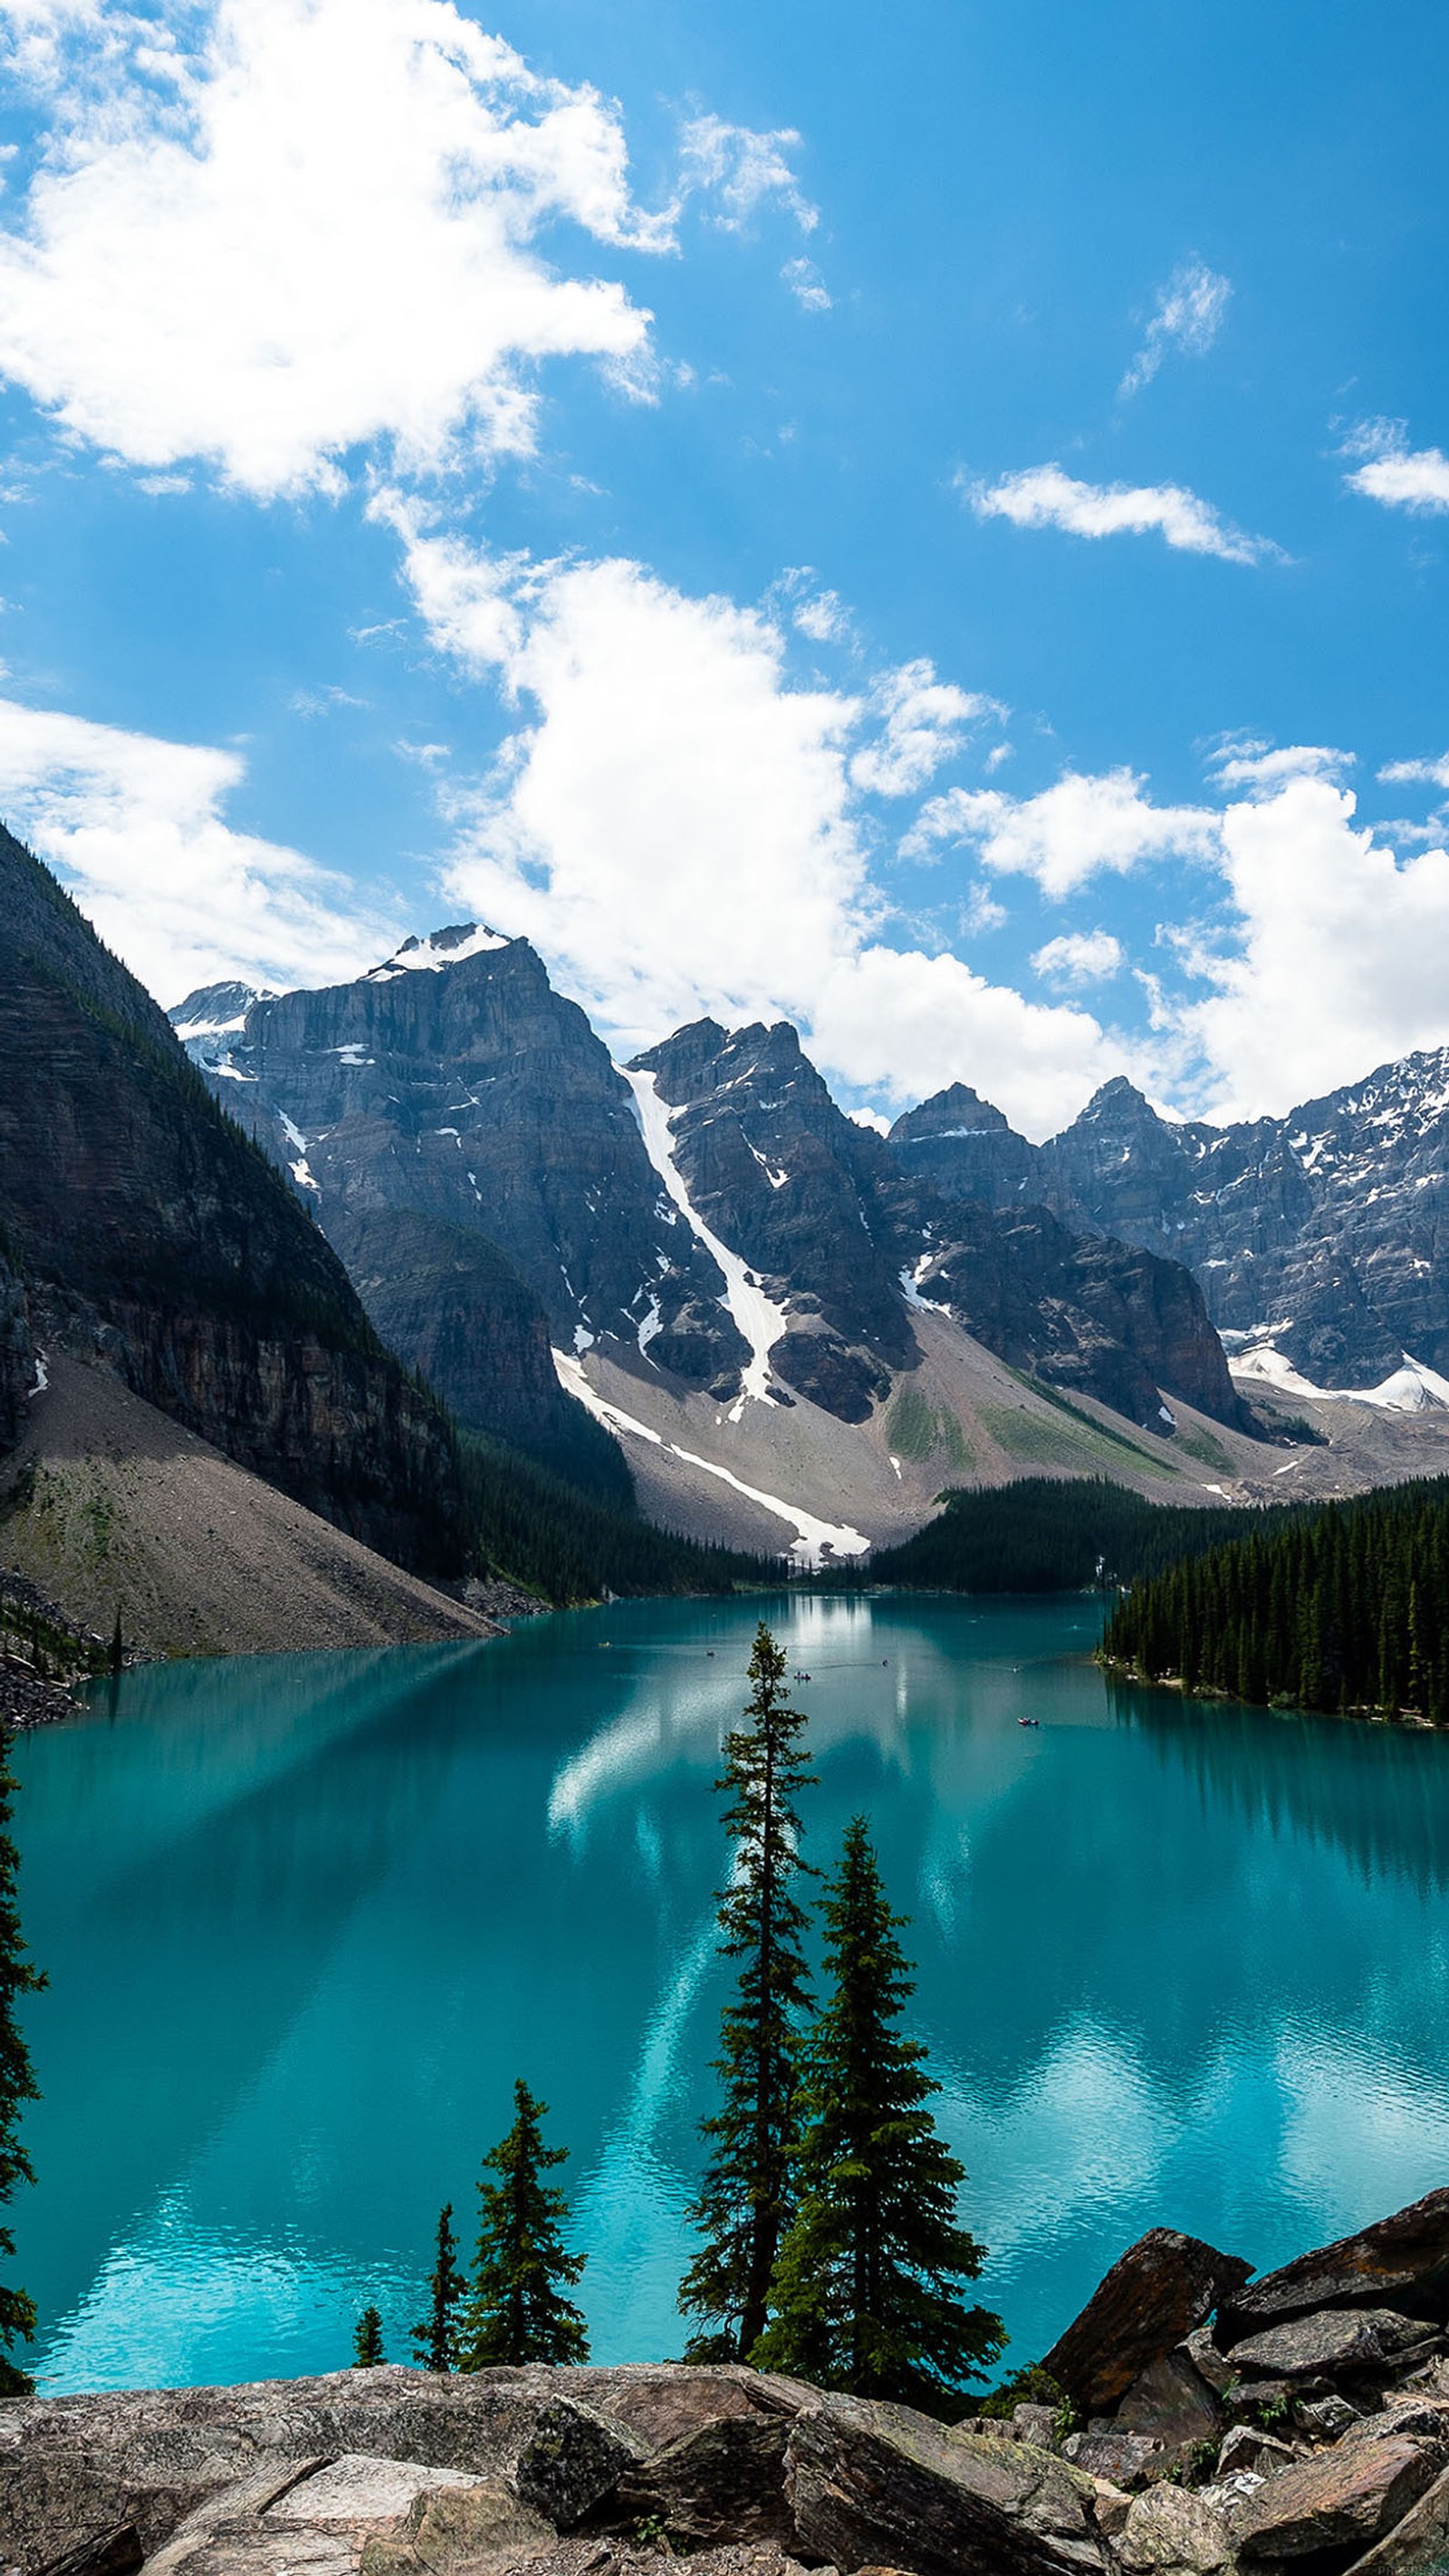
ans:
(1343, 1608)
(1051, 1534)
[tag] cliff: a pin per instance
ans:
(150, 1235)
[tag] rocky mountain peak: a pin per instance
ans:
(958, 1110)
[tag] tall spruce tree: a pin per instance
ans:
(867, 2289)
(517, 2311)
(435, 2336)
(745, 2201)
(17, 2082)
(367, 2349)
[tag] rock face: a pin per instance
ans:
(1090, 1316)
(1346, 2499)
(1154, 2295)
(1401, 2263)
(493, 1181)
(1321, 1233)
(148, 1233)
(808, 1198)
(454, 1085)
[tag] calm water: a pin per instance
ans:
(306, 1917)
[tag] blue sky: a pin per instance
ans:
(930, 522)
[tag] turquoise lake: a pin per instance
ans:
(306, 1917)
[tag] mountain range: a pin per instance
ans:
(769, 1302)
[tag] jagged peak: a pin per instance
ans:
(446, 947)
(957, 1110)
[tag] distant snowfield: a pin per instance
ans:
(1412, 1388)
(814, 1539)
(757, 1316)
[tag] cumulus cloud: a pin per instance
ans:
(137, 829)
(1079, 957)
(1403, 478)
(742, 170)
(922, 722)
(1188, 316)
(677, 828)
(1071, 831)
(313, 225)
(1341, 959)
(1044, 496)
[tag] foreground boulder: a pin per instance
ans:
(1154, 2295)
(1333, 2342)
(1343, 2501)
(880, 2486)
(1402, 2263)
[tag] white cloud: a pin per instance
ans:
(1043, 496)
(1343, 955)
(872, 1118)
(1403, 478)
(677, 829)
(1188, 316)
(320, 229)
(1079, 957)
(807, 285)
(1428, 773)
(136, 828)
(1242, 761)
(742, 170)
(1070, 832)
(922, 721)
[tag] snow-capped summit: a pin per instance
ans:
(441, 948)
(215, 1010)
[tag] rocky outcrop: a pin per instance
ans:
(394, 2469)
(1154, 2295)
(151, 1236)
(1402, 2262)
(17, 1350)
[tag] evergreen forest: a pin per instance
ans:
(1342, 1608)
(1052, 1534)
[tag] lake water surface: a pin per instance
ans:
(306, 1917)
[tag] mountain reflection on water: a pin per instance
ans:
(305, 1918)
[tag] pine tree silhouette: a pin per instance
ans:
(517, 2311)
(367, 2349)
(867, 2289)
(435, 2337)
(745, 2200)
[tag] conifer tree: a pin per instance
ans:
(17, 2082)
(745, 2201)
(517, 2311)
(435, 2337)
(367, 2349)
(867, 2289)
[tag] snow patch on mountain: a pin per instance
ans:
(1412, 1388)
(757, 1316)
(440, 948)
(814, 1540)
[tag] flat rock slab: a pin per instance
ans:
(1173, 2401)
(1154, 2295)
(876, 2485)
(72, 2468)
(1329, 2341)
(1346, 2498)
(1402, 2262)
